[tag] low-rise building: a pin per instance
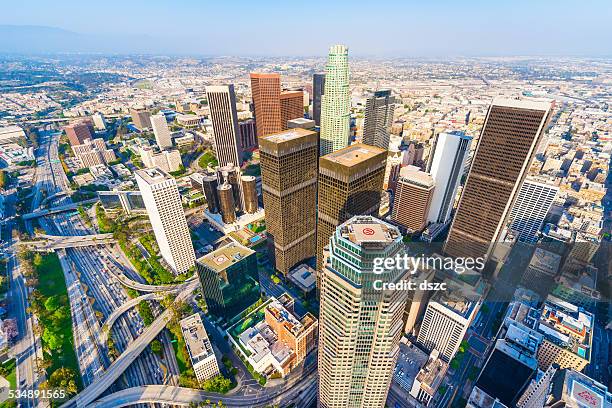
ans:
(11, 134)
(282, 340)
(167, 160)
(12, 153)
(429, 379)
(93, 152)
(201, 353)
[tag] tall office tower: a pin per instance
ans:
(318, 85)
(292, 106)
(378, 119)
(226, 203)
(163, 203)
(289, 185)
(230, 175)
(141, 118)
(446, 167)
(249, 191)
(530, 209)
(413, 195)
(209, 186)
(266, 90)
(350, 183)
(248, 136)
(224, 117)
(514, 353)
(162, 134)
(507, 144)
(77, 133)
(447, 317)
(228, 276)
(336, 102)
(360, 327)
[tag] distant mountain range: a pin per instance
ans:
(28, 39)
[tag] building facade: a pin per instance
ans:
(93, 152)
(163, 138)
(78, 132)
(360, 327)
(413, 195)
(266, 90)
(163, 203)
(335, 102)
(447, 167)
(224, 117)
(378, 119)
(318, 85)
(350, 183)
(199, 347)
(530, 209)
(292, 106)
(507, 144)
(141, 118)
(289, 185)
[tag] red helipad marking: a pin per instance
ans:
(368, 231)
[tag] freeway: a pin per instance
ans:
(53, 242)
(134, 349)
(58, 209)
(296, 391)
(110, 321)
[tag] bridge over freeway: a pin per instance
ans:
(53, 242)
(58, 209)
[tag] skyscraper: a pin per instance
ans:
(360, 327)
(161, 131)
(413, 195)
(249, 192)
(446, 168)
(289, 185)
(163, 203)
(222, 104)
(292, 106)
(350, 183)
(378, 119)
(266, 89)
(336, 102)
(318, 84)
(506, 147)
(530, 209)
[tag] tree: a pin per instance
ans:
(65, 379)
(156, 347)
(217, 384)
(51, 339)
(3, 179)
(52, 303)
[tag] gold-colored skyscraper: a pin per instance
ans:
(289, 184)
(350, 183)
(507, 144)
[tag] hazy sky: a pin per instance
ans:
(375, 27)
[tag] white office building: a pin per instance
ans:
(163, 138)
(447, 318)
(446, 168)
(530, 209)
(165, 209)
(201, 353)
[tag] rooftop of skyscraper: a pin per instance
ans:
(222, 258)
(522, 103)
(153, 175)
(416, 176)
(366, 229)
(353, 154)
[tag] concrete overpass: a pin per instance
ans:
(108, 325)
(103, 382)
(301, 387)
(53, 242)
(56, 210)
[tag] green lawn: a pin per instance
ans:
(208, 157)
(51, 283)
